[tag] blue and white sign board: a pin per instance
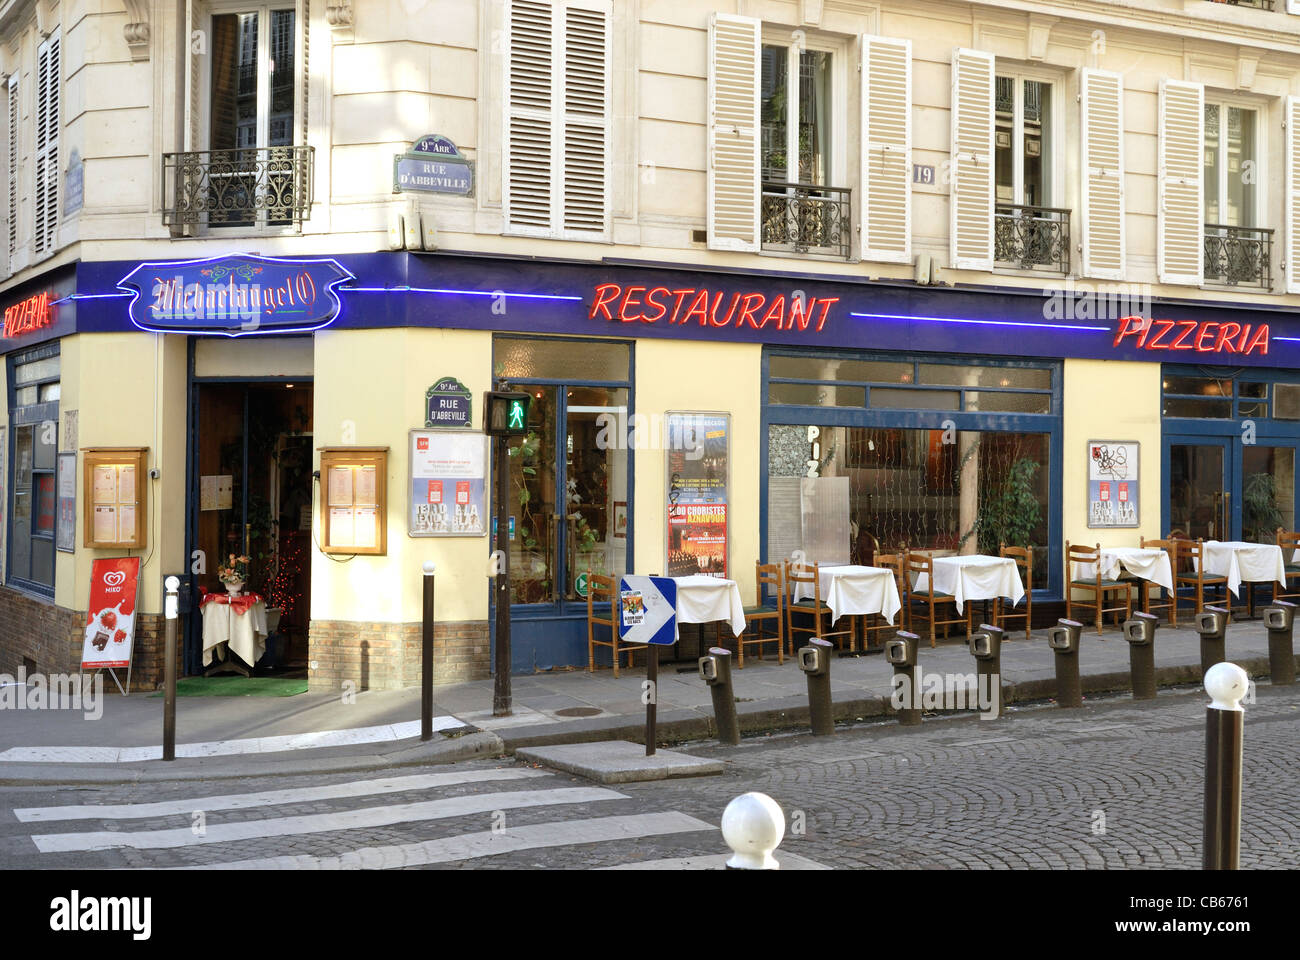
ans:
(433, 165)
(647, 610)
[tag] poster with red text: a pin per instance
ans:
(110, 623)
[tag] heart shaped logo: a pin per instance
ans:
(114, 578)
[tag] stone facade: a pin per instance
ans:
(386, 656)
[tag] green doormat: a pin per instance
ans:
(239, 687)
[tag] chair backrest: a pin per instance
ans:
(1288, 540)
(802, 573)
(918, 564)
(897, 563)
(1024, 557)
(600, 589)
(771, 575)
(1078, 553)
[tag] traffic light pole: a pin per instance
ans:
(501, 706)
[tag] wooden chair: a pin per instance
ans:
(1170, 547)
(896, 562)
(923, 563)
(1192, 573)
(807, 573)
(772, 575)
(1100, 588)
(1024, 557)
(602, 589)
(1289, 541)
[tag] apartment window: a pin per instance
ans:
(1238, 251)
(34, 422)
(1028, 232)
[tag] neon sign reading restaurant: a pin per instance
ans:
(709, 308)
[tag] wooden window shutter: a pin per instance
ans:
(1181, 228)
(586, 119)
(734, 131)
(886, 182)
(46, 212)
(971, 172)
(15, 157)
(528, 147)
(1291, 215)
(1102, 139)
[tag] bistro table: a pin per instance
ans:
(704, 599)
(854, 589)
(236, 625)
(1243, 562)
(1145, 563)
(975, 577)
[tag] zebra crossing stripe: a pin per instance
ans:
(244, 801)
(321, 822)
(470, 846)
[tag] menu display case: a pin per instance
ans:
(354, 500)
(115, 501)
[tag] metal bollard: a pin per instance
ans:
(1140, 632)
(1211, 624)
(715, 669)
(815, 662)
(901, 652)
(986, 647)
(1226, 683)
(426, 657)
(1064, 639)
(1279, 618)
(171, 602)
(753, 826)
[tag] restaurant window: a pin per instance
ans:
(34, 422)
(954, 458)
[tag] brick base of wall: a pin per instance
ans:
(51, 638)
(386, 656)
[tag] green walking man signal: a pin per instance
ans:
(505, 413)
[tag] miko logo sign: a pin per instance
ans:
(110, 622)
(114, 578)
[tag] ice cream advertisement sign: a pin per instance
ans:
(235, 296)
(110, 622)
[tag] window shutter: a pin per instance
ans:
(734, 131)
(1181, 227)
(1291, 166)
(14, 158)
(586, 132)
(1102, 138)
(886, 181)
(46, 213)
(971, 170)
(527, 164)
(1293, 7)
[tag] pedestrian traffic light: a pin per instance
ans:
(506, 413)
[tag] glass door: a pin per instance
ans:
(1199, 477)
(1268, 485)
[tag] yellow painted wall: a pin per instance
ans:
(369, 388)
(1110, 400)
(725, 377)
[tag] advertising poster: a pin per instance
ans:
(448, 484)
(110, 623)
(67, 526)
(1112, 483)
(698, 462)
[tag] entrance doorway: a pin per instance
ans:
(250, 494)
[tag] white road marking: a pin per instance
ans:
(975, 743)
(469, 846)
(321, 822)
(244, 801)
(226, 748)
(717, 861)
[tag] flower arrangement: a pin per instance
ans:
(233, 571)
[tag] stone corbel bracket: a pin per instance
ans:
(136, 30)
(338, 13)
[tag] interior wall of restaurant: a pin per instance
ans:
(1110, 400)
(369, 390)
(708, 377)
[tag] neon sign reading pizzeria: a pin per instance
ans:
(708, 308)
(28, 315)
(1205, 336)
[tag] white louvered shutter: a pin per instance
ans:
(734, 133)
(1291, 173)
(586, 131)
(971, 172)
(14, 159)
(886, 149)
(528, 164)
(1181, 227)
(1293, 7)
(1102, 138)
(46, 212)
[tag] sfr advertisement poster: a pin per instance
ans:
(110, 622)
(448, 484)
(1112, 483)
(698, 475)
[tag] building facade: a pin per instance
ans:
(822, 276)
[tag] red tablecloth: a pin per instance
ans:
(240, 604)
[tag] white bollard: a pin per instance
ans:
(753, 826)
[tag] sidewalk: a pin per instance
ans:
(560, 707)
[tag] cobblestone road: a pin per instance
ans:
(1118, 784)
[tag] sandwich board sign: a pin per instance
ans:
(110, 622)
(647, 610)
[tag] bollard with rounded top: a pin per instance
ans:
(426, 656)
(1279, 618)
(1226, 683)
(1140, 632)
(1211, 623)
(1065, 639)
(715, 670)
(753, 827)
(171, 603)
(901, 652)
(815, 662)
(986, 647)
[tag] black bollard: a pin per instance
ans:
(1280, 618)
(815, 662)
(715, 669)
(426, 657)
(1211, 624)
(901, 652)
(1140, 632)
(171, 604)
(1064, 639)
(986, 647)
(1226, 684)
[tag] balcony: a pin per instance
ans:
(1032, 238)
(1257, 4)
(800, 218)
(1238, 256)
(247, 187)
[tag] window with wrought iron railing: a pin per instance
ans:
(1257, 4)
(1238, 256)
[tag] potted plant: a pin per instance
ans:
(234, 573)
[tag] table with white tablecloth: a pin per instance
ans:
(705, 599)
(1241, 562)
(237, 624)
(975, 577)
(853, 589)
(1145, 563)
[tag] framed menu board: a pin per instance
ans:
(114, 500)
(354, 500)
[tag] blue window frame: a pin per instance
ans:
(34, 389)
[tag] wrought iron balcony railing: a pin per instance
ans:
(245, 187)
(805, 219)
(1239, 256)
(1257, 4)
(1032, 237)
